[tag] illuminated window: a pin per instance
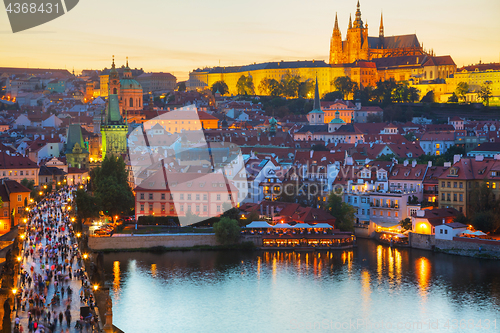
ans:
(437, 145)
(438, 153)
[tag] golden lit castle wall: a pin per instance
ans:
(104, 85)
(325, 75)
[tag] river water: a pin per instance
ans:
(369, 289)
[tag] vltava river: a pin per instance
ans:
(369, 289)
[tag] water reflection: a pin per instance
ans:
(195, 288)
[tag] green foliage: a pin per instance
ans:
(413, 200)
(373, 118)
(158, 220)
(220, 86)
(462, 219)
(484, 209)
(306, 89)
(406, 224)
(245, 85)
(227, 231)
(332, 96)
(290, 85)
(397, 113)
(345, 85)
(230, 211)
(410, 136)
(110, 186)
(485, 94)
(461, 90)
(429, 97)
(343, 212)
(453, 98)
(87, 206)
(181, 86)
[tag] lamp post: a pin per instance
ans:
(14, 292)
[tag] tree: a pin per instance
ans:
(410, 136)
(181, 86)
(253, 216)
(270, 87)
(110, 186)
(461, 90)
(345, 85)
(343, 212)
(485, 94)
(290, 85)
(306, 88)
(429, 97)
(406, 224)
(373, 118)
(332, 96)
(227, 231)
(245, 85)
(484, 209)
(453, 98)
(383, 91)
(86, 205)
(219, 86)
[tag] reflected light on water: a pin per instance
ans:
(366, 291)
(116, 277)
(379, 262)
(398, 259)
(423, 270)
(391, 266)
(153, 270)
(258, 267)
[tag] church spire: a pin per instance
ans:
(127, 62)
(381, 30)
(113, 65)
(350, 22)
(336, 28)
(316, 105)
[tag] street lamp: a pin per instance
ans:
(78, 235)
(14, 291)
(96, 287)
(85, 256)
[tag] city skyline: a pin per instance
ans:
(206, 34)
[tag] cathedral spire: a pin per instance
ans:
(350, 22)
(336, 28)
(113, 65)
(358, 23)
(381, 30)
(127, 62)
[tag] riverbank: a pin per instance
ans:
(245, 246)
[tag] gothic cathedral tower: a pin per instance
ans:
(113, 128)
(336, 55)
(355, 46)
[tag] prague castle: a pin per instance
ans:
(364, 59)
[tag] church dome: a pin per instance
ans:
(337, 121)
(130, 84)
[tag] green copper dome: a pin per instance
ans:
(130, 84)
(337, 121)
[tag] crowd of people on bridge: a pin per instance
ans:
(49, 270)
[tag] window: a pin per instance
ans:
(150, 196)
(20, 210)
(229, 197)
(363, 212)
(446, 231)
(454, 184)
(197, 197)
(19, 198)
(142, 196)
(396, 214)
(388, 214)
(197, 208)
(440, 231)
(449, 184)
(437, 145)
(454, 197)
(443, 197)
(381, 213)
(448, 197)
(163, 196)
(205, 208)
(218, 208)
(461, 198)
(182, 196)
(355, 200)
(5, 213)
(205, 197)
(163, 208)
(442, 184)
(150, 207)
(189, 196)
(21, 173)
(461, 185)
(142, 207)
(131, 104)
(218, 197)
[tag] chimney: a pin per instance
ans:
(479, 158)
(43, 136)
(311, 153)
(497, 157)
(405, 163)
(444, 221)
(52, 135)
(420, 213)
(447, 164)
(429, 164)
(456, 158)
(413, 163)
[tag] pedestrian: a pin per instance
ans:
(60, 318)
